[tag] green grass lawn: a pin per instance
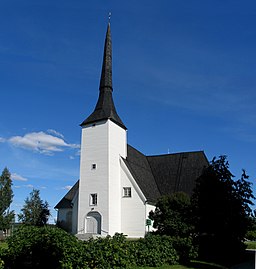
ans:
(193, 265)
(251, 244)
(164, 267)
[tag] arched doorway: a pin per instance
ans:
(93, 223)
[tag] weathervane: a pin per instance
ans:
(109, 17)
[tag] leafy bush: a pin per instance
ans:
(117, 252)
(109, 252)
(185, 249)
(154, 250)
(53, 248)
(251, 235)
(45, 247)
(1, 264)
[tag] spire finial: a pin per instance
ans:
(109, 17)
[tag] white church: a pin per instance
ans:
(119, 185)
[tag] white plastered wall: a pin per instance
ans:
(102, 144)
(133, 208)
(117, 148)
(94, 150)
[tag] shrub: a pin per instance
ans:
(154, 250)
(185, 249)
(251, 235)
(108, 253)
(53, 248)
(117, 252)
(45, 247)
(1, 264)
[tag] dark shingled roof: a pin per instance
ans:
(140, 169)
(177, 172)
(165, 174)
(65, 202)
(157, 175)
(105, 108)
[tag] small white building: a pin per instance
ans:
(119, 185)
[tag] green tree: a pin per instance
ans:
(35, 211)
(6, 196)
(172, 215)
(221, 210)
(251, 233)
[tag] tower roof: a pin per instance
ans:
(105, 108)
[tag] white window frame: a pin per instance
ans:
(94, 166)
(93, 199)
(127, 192)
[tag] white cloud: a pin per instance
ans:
(2, 140)
(29, 186)
(18, 177)
(68, 187)
(41, 142)
(55, 133)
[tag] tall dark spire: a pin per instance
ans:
(106, 73)
(105, 108)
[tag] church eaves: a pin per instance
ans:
(105, 108)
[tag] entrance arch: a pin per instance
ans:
(93, 222)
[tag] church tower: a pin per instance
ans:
(104, 142)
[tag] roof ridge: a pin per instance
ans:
(175, 153)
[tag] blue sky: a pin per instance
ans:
(183, 76)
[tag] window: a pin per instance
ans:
(94, 166)
(93, 199)
(127, 192)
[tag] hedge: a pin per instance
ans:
(53, 248)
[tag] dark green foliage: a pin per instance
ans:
(53, 248)
(117, 252)
(43, 247)
(172, 215)
(185, 248)
(35, 211)
(221, 209)
(251, 232)
(109, 252)
(154, 250)
(251, 235)
(1, 264)
(6, 196)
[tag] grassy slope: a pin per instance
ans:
(164, 267)
(251, 244)
(193, 265)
